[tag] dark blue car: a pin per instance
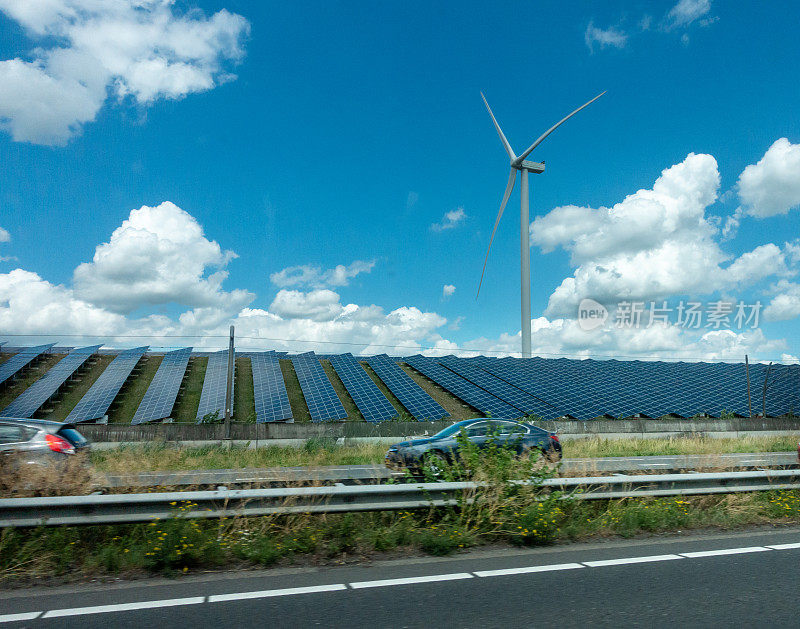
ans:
(441, 448)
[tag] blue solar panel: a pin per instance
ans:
(269, 389)
(474, 396)
(516, 397)
(99, 397)
(212, 399)
(365, 393)
(421, 405)
(160, 397)
(21, 359)
(30, 400)
(321, 399)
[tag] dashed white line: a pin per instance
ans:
(627, 560)
(724, 551)
(20, 617)
(528, 569)
(122, 607)
(409, 580)
(240, 596)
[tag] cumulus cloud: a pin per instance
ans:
(786, 302)
(159, 255)
(772, 185)
(4, 235)
(450, 220)
(448, 290)
(656, 243)
(315, 276)
(142, 49)
(686, 12)
(611, 36)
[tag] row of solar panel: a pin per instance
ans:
(497, 387)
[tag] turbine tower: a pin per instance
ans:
(519, 163)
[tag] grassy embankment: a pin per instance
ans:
(498, 513)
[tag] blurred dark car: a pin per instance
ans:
(442, 448)
(40, 442)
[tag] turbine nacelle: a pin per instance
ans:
(531, 167)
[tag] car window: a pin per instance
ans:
(508, 428)
(476, 430)
(10, 433)
(73, 436)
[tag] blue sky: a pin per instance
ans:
(332, 133)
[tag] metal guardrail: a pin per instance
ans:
(127, 508)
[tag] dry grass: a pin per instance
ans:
(598, 447)
(59, 477)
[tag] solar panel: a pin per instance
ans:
(484, 401)
(365, 393)
(94, 405)
(421, 405)
(21, 359)
(212, 399)
(160, 397)
(321, 399)
(32, 398)
(516, 397)
(269, 389)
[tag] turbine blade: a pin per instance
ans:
(553, 128)
(512, 178)
(506, 145)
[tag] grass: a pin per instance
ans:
(296, 400)
(129, 398)
(185, 409)
(160, 456)
(28, 376)
(75, 390)
(244, 409)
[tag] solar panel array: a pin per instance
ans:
(212, 398)
(365, 393)
(269, 389)
(160, 397)
(419, 404)
(514, 396)
(321, 399)
(32, 398)
(20, 360)
(473, 395)
(95, 403)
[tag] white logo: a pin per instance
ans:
(591, 315)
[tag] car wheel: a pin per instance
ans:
(434, 463)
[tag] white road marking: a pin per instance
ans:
(626, 560)
(19, 617)
(527, 569)
(427, 579)
(725, 551)
(122, 607)
(784, 546)
(240, 596)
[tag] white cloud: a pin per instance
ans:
(159, 255)
(450, 220)
(686, 12)
(654, 244)
(4, 235)
(314, 276)
(604, 37)
(143, 49)
(786, 302)
(448, 290)
(772, 186)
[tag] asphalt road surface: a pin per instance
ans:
(729, 580)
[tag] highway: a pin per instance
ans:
(378, 473)
(719, 580)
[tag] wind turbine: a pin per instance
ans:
(519, 163)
